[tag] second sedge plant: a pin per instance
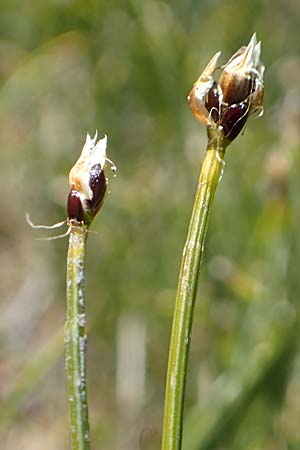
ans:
(87, 190)
(223, 108)
(88, 185)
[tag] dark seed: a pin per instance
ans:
(233, 120)
(212, 103)
(74, 206)
(98, 185)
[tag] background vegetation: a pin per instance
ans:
(125, 68)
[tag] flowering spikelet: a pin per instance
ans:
(87, 182)
(226, 105)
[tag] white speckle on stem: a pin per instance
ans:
(173, 380)
(81, 319)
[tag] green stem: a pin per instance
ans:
(75, 341)
(186, 292)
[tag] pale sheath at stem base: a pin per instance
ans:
(210, 174)
(75, 340)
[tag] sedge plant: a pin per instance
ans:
(88, 185)
(223, 108)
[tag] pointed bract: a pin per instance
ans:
(243, 74)
(201, 87)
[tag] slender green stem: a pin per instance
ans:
(75, 341)
(186, 292)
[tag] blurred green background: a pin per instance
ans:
(125, 68)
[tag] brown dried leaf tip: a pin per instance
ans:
(227, 105)
(88, 182)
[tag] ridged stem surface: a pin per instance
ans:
(210, 173)
(75, 341)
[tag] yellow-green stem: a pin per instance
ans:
(210, 173)
(75, 341)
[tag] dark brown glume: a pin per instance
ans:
(235, 88)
